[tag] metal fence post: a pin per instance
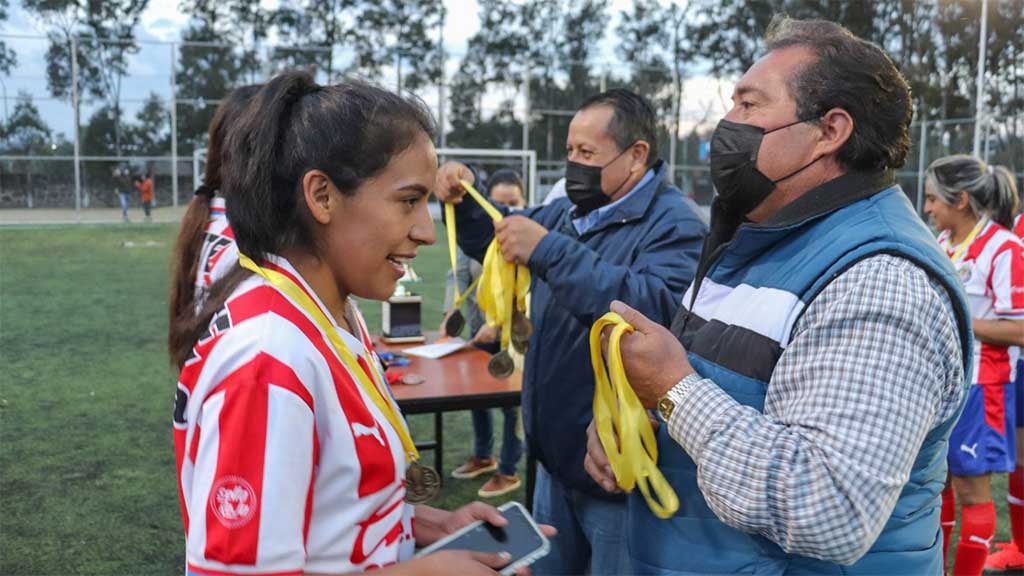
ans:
(674, 133)
(526, 120)
(174, 125)
(78, 139)
(921, 158)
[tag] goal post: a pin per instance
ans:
(487, 159)
(490, 159)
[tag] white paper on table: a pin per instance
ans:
(437, 350)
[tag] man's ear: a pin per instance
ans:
(836, 129)
(319, 196)
(639, 154)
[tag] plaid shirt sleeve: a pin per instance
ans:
(874, 365)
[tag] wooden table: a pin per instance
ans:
(459, 381)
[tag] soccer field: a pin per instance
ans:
(87, 474)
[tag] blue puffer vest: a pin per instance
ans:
(798, 251)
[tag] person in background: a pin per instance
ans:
(1010, 557)
(122, 187)
(505, 188)
(144, 184)
(205, 249)
(973, 204)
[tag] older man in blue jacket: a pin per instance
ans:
(623, 233)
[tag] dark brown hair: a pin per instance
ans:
(187, 247)
(350, 131)
(857, 76)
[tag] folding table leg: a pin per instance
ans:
(439, 445)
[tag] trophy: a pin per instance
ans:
(400, 313)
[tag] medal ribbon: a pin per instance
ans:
(622, 423)
(503, 284)
(967, 241)
(449, 223)
(370, 383)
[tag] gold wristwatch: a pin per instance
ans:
(667, 403)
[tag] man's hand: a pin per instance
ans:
(447, 186)
(486, 334)
(653, 358)
(518, 237)
(596, 462)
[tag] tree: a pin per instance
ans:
(149, 134)
(321, 24)
(208, 67)
(400, 34)
(26, 134)
(105, 37)
(8, 58)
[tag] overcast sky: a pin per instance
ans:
(163, 22)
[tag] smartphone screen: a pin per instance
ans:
(519, 537)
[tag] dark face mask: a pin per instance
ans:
(734, 148)
(583, 184)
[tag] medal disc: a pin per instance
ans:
(522, 328)
(421, 483)
(501, 365)
(454, 324)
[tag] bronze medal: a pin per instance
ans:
(501, 365)
(522, 328)
(421, 483)
(521, 346)
(455, 323)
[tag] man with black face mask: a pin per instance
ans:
(623, 233)
(810, 381)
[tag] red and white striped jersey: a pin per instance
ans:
(219, 253)
(1018, 225)
(992, 270)
(285, 465)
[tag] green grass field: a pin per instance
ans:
(87, 474)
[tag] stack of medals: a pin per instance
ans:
(501, 295)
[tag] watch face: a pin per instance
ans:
(665, 407)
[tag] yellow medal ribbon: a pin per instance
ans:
(622, 423)
(503, 285)
(370, 384)
(449, 223)
(967, 241)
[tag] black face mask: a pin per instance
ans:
(583, 185)
(734, 148)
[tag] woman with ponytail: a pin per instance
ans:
(292, 455)
(973, 204)
(205, 249)
(1010, 557)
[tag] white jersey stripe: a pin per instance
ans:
(204, 476)
(287, 462)
(767, 311)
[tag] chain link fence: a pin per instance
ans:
(75, 141)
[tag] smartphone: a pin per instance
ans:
(520, 537)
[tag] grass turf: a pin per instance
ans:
(87, 474)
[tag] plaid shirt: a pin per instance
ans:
(874, 365)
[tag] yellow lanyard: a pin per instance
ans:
(370, 383)
(502, 283)
(622, 423)
(967, 241)
(449, 223)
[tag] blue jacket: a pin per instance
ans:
(643, 252)
(800, 255)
